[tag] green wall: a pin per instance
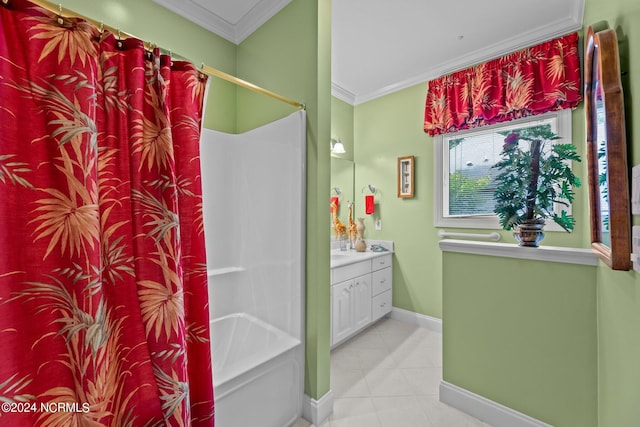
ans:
(519, 333)
(291, 55)
(619, 292)
(385, 129)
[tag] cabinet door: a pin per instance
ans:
(341, 310)
(381, 262)
(362, 302)
(380, 305)
(381, 281)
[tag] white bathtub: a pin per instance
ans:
(256, 373)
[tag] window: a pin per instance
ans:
(464, 177)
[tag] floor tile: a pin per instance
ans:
(302, 423)
(417, 356)
(354, 412)
(369, 339)
(442, 415)
(389, 376)
(373, 358)
(348, 383)
(423, 381)
(400, 411)
(388, 382)
(345, 358)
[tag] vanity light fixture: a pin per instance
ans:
(336, 146)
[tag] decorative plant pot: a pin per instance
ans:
(530, 233)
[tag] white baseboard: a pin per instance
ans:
(484, 409)
(317, 411)
(428, 322)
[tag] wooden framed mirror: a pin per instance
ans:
(606, 150)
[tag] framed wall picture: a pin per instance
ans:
(405, 176)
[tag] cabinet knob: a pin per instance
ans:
(383, 280)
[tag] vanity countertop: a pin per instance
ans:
(341, 258)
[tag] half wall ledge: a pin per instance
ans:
(543, 253)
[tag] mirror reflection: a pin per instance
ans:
(601, 137)
(342, 181)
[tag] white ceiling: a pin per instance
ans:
(381, 46)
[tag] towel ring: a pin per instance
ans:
(372, 189)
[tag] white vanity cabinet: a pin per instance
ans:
(381, 280)
(360, 295)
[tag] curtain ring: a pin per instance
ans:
(60, 19)
(119, 43)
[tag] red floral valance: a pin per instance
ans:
(531, 81)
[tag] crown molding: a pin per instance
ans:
(521, 41)
(235, 33)
(257, 16)
(552, 30)
(201, 16)
(342, 94)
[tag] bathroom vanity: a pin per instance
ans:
(361, 290)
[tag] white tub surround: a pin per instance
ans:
(256, 270)
(255, 362)
(242, 343)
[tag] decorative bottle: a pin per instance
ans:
(361, 245)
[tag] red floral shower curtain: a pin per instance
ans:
(103, 299)
(542, 78)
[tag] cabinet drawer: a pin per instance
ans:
(381, 262)
(380, 305)
(340, 274)
(381, 280)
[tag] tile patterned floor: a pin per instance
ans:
(388, 376)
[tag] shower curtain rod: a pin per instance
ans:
(58, 9)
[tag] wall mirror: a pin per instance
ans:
(342, 181)
(606, 150)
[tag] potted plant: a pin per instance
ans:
(534, 174)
